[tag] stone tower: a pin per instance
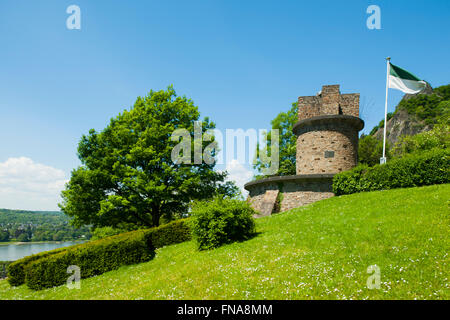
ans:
(327, 132)
(327, 143)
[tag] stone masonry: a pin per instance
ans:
(328, 101)
(327, 143)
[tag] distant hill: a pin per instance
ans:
(416, 113)
(30, 211)
(24, 225)
(32, 217)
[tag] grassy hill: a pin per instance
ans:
(320, 251)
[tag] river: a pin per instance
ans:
(15, 251)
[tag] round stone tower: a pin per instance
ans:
(327, 132)
(327, 143)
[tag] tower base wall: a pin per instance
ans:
(292, 192)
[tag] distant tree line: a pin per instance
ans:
(25, 226)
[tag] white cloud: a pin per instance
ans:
(25, 184)
(239, 174)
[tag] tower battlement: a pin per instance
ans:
(329, 101)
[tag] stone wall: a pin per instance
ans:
(328, 102)
(257, 193)
(327, 143)
(295, 191)
(295, 194)
(309, 107)
(349, 104)
(332, 151)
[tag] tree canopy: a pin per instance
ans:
(128, 179)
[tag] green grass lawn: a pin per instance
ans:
(320, 251)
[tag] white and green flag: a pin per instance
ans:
(398, 78)
(404, 81)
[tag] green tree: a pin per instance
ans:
(23, 237)
(127, 178)
(4, 235)
(284, 122)
(58, 236)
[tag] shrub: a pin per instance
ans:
(17, 269)
(220, 221)
(349, 182)
(4, 268)
(99, 256)
(413, 170)
(438, 137)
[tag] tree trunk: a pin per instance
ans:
(155, 216)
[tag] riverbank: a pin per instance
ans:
(4, 269)
(12, 251)
(39, 242)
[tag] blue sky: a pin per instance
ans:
(242, 62)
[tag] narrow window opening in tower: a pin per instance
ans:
(340, 110)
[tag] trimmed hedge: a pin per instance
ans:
(93, 258)
(99, 256)
(16, 270)
(414, 170)
(174, 232)
(4, 268)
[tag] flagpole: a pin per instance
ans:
(383, 159)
